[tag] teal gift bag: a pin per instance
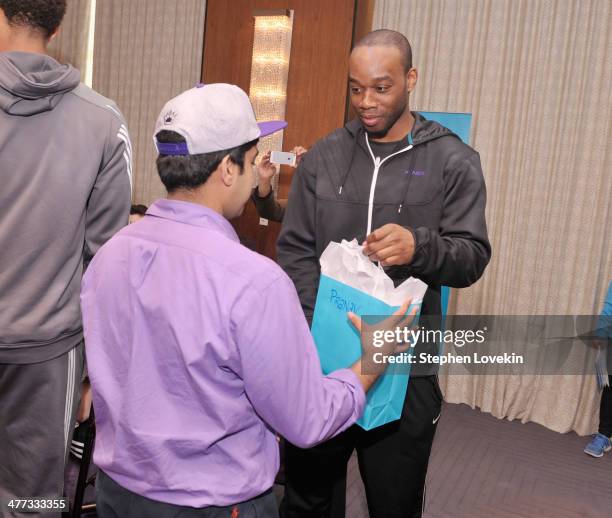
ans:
(338, 342)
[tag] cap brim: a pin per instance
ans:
(269, 127)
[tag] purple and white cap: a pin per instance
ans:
(210, 118)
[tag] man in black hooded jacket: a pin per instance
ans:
(413, 193)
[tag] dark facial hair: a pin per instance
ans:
(392, 120)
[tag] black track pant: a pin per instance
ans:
(605, 409)
(392, 460)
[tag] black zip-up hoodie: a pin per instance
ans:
(435, 188)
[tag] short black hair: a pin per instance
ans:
(191, 171)
(389, 38)
(138, 209)
(44, 16)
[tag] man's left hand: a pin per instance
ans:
(390, 244)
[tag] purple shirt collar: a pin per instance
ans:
(192, 214)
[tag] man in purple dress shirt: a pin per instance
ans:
(198, 349)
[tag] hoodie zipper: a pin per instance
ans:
(377, 164)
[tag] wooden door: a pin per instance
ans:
(317, 85)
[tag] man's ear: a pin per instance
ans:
(411, 79)
(228, 171)
(54, 34)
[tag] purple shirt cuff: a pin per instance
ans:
(348, 377)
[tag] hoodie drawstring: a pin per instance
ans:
(410, 171)
(348, 169)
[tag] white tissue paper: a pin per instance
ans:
(346, 263)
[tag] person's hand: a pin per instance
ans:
(399, 319)
(299, 153)
(266, 171)
(390, 244)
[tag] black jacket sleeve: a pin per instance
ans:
(296, 246)
(268, 207)
(457, 254)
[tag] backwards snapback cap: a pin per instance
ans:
(210, 118)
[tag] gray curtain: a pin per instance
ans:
(536, 76)
(146, 52)
(70, 44)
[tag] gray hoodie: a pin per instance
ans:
(65, 188)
